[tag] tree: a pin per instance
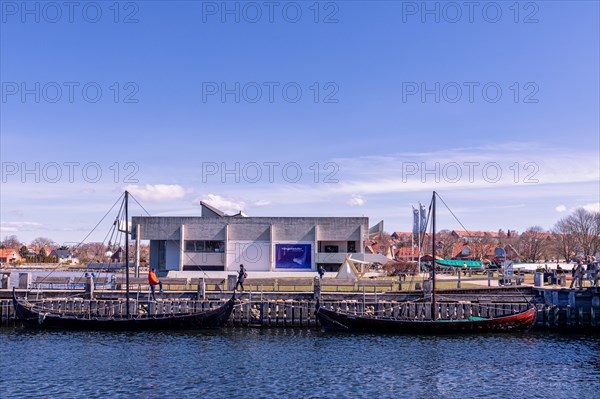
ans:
(10, 242)
(583, 227)
(563, 241)
(42, 242)
(43, 253)
(91, 251)
(534, 243)
(23, 251)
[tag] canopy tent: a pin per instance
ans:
(459, 263)
(348, 271)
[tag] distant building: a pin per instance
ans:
(9, 255)
(216, 241)
(64, 256)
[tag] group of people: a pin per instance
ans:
(590, 268)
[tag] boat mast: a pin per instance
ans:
(127, 252)
(433, 302)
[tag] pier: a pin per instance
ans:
(558, 308)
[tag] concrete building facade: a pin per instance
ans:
(218, 242)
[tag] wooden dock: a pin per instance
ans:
(562, 309)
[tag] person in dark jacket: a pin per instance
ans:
(242, 275)
(321, 272)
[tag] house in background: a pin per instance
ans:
(9, 255)
(63, 256)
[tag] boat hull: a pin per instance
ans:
(214, 318)
(335, 321)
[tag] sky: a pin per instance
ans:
(330, 108)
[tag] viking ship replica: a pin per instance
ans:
(341, 321)
(32, 314)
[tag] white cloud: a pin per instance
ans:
(356, 200)
(227, 205)
(560, 208)
(13, 227)
(230, 205)
(158, 192)
(593, 207)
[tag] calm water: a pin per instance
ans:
(296, 364)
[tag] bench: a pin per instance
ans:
(295, 282)
(259, 283)
(217, 283)
(77, 282)
(51, 281)
(175, 281)
(337, 283)
(140, 282)
(389, 284)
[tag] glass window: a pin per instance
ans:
(204, 246)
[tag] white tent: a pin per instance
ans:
(348, 271)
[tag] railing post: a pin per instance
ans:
(458, 283)
(317, 288)
(89, 287)
(201, 289)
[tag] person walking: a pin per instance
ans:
(578, 276)
(242, 275)
(321, 272)
(153, 281)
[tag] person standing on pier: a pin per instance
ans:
(153, 281)
(242, 275)
(577, 276)
(321, 272)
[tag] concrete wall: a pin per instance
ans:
(172, 255)
(204, 258)
(254, 255)
(246, 237)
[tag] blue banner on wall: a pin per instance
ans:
(293, 256)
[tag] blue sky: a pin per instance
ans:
(343, 95)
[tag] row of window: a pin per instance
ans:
(204, 246)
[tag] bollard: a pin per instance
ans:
(317, 288)
(201, 289)
(5, 281)
(89, 287)
(231, 281)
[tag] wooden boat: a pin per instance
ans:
(340, 321)
(32, 316)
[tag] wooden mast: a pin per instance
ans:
(433, 301)
(127, 253)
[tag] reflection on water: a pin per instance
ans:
(296, 364)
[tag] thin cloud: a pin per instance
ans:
(356, 200)
(158, 192)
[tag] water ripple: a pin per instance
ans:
(296, 364)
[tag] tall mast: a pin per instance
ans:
(127, 251)
(433, 302)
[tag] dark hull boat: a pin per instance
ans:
(338, 321)
(33, 317)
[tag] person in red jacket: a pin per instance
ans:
(153, 280)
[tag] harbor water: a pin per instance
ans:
(286, 363)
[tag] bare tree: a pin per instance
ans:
(43, 242)
(91, 251)
(584, 229)
(534, 243)
(563, 242)
(11, 241)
